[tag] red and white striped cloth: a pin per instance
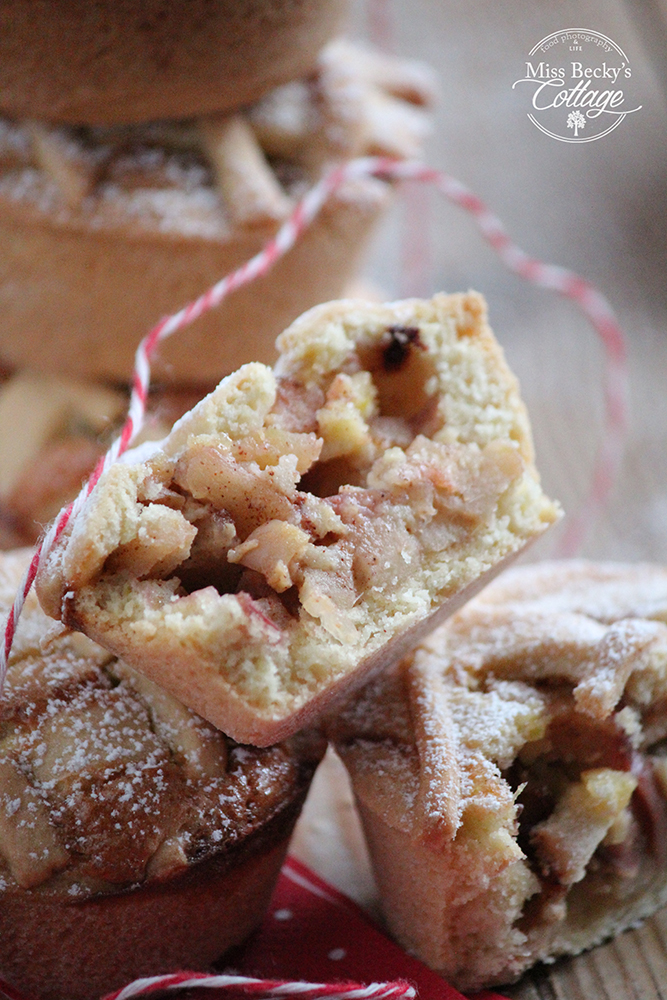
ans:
(558, 279)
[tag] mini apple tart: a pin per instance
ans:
(130, 828)
(305, 525)
(107, 228)
(512, 775)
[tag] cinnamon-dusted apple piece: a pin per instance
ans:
(512, 774)
(306, 525)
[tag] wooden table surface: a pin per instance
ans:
(599, 208)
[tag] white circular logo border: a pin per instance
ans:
(619, 50)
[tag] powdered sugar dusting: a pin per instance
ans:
(161, 178)
(528, 651)
(95, 774)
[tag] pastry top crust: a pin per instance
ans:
(106, 781)
(583, 638)
(299, 523)
(605, 591)
(220, 177)
(61, 428)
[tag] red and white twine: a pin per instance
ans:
(568, 284)
(268, 988)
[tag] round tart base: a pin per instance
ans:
(76, 299)
(55, 949)
(130, 61)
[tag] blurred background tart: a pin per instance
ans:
(137, 60)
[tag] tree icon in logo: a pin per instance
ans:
(576, 120)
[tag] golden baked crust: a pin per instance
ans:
(107, 783)
(512, 774)
(305, 525)
(129, 828)
(106, 230)
(136, 60)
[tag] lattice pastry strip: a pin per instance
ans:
(359, 102)
(73, 169)
(362, 102)
(438, 804)
(560, 646)
(30, 843)
(248, 186)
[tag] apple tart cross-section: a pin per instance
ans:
(306, 525)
